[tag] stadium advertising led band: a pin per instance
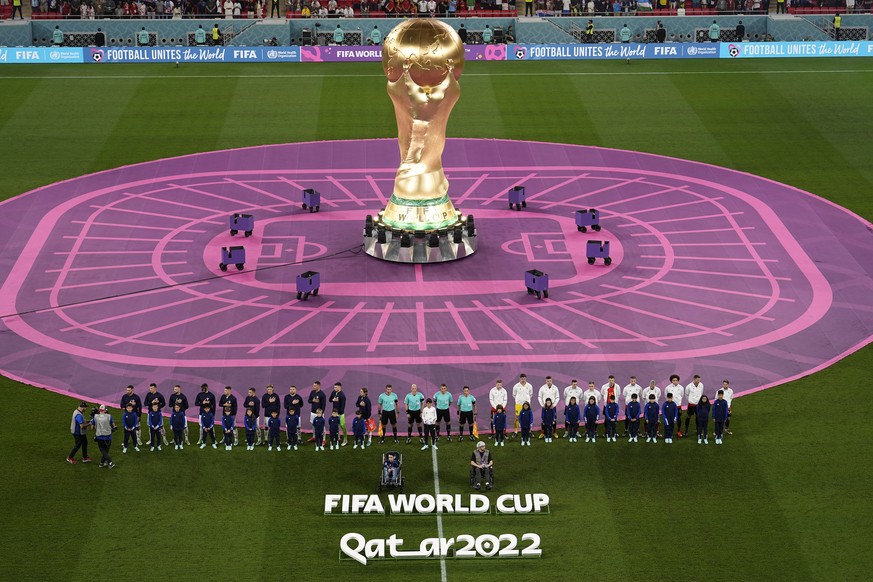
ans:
(40, 55)
(195, 54)
(576, 52)
(763, 50)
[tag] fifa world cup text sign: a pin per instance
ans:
(357, 547)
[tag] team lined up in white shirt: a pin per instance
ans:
(685, 397)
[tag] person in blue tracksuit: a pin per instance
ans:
(548, 417)
(572, 417)
(252, 401)
(250, 423)
(632, 413)
(703, 408)
(318, 429)
(130, 424)
(366, 407)
(177, 423)
(317, 399)
(525, 422)
(207, 426)
(295, 401)
(359, 428)
(670, 413)
(719, 415)
(274, 426)
(591, 413)
(651, 413)
(333, 427)
(156, 426)
(292, 427)
(499, 421)
(610, 413)
(227, 426)
(151, 398)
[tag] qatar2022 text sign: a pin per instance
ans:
(357, 547)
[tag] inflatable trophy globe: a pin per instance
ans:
(423, 60)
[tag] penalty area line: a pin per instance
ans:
(513, 74)
(436, 489)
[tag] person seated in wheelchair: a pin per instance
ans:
(481, 467)
(390, 468)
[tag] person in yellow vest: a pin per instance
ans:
(16, 5)
(216, 35)
(780, 6)
(528, 8)
(837, 23)
(589, 31)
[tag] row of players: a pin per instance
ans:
(651, 413)
(419, 410)
(388, 403)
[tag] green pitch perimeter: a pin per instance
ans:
(787, 496)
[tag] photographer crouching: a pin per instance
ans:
(104, 426)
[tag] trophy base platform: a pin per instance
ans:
(420, 247)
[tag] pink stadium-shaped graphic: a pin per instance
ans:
(114, 278)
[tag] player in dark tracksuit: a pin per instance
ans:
(207, 426)
(651, 413)
(130, 424)
(250, 423)
(499, 421)
(591, 413)
(359, 428)
(548, 417)
(525, 422)
(228, 399)
(670, 412)
(274, 426)
(610, 413)
(632, 413)
(318, 429)
(130, 397)
(270, 402)
(292, 428)
(333, 425)
(252, 401)
(151, 398)
(203, 399)
(703, 408)
(719, 415)
(227, 426)
(294, 401)
(178, 399)
(156, 426)
(317, 400)
(572, 417)
(177, 423)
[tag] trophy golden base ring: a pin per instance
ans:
(436, 245)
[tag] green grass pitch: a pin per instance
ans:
(786, 498)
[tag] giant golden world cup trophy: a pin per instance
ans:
(423, 60)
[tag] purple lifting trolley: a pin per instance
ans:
(242, 222)
(596, 249)
(311, 200)
(588, 217)
(232, 256)
(537, 283)
(308, 284)
(517, 197)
